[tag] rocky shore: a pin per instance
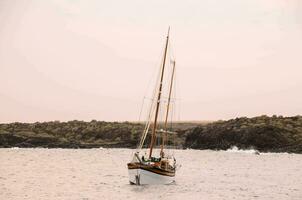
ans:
(266, 134)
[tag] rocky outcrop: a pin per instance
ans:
(266, 134)
(76, 134)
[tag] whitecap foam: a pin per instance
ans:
(235, 149)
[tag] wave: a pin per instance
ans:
(235, 149)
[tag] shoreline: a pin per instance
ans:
(263, 133)
(239, 151)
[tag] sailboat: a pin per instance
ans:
(151, 169)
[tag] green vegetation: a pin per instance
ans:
(266, 134)
(77, 134)
(274, 134)
(72, 134)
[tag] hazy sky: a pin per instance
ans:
(93, 59)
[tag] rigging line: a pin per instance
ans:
(149, 98)
(172, 51)
(178, 94)
(146, 129)
(142, 106)
(173, 98)
(158, 97)
(148, 86)
(141, 110)
(176, 83)
(154, 71)
(164, 100)
(147, 125)
(170, 87)
(151, 110)
(151, 107)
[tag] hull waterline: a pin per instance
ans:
(144, 177)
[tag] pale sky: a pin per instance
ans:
(93, 59)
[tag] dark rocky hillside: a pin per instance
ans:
(78, 134)
(273, 134)
(266, 134)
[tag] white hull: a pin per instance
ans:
(144, 177)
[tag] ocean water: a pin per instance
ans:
(86, 174)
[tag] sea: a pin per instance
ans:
(88, 174)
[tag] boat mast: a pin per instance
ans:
(158, 97)
(164, 137)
